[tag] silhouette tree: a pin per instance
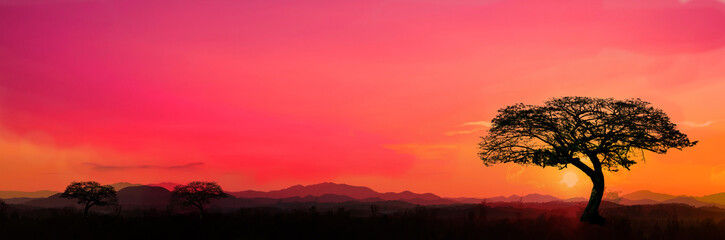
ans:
(592, 134)
(198, 194)
(613, 196)
(91, 194)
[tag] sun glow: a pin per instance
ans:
(569, 179)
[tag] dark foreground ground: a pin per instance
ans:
(385, 220)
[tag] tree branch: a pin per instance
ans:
(586, 169)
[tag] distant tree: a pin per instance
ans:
(613, 196)
(374, 209)
(606, 133)
(91, 194)
(3, 210)
(198, 194)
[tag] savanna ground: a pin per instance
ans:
(369, 221)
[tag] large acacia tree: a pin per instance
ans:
(90, 194)
(591, 134)
(198, 194)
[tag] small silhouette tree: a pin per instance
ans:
(198, 194)
(3, 205)
(607, 133)
(613, 196)
(91, 194)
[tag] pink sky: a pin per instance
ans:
(386, 94)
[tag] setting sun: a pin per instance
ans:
(370, 119)
(569, 179)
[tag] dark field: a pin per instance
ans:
(353, 220)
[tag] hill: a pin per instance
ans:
(21, 194)
(353, 192)
(645, 194)
(121, 185)
(168, 185)
(54, 201)
(144, 196)
(718, 198)
(158, 195)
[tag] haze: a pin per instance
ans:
(392, 95)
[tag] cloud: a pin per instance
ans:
(717, 174)
(451, 133)
(694, 124)
(479, 123)
(514, 172)
(100, 167)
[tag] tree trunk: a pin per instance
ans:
(85, 210)
(591, 212)
(201, 210)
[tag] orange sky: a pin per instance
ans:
(387, 94)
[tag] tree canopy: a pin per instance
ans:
(608, 133)
(616, 132)
(198, 194)
(91, 194)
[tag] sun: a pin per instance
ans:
(569, 179)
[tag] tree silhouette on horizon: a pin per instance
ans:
(90, 194)
(592, 134)
(198, 194)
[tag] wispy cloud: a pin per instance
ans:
(480, 126)
(479, 123)
(451, 133)
(514, 172)
(694, 124)
(419, 146)
(100, 167)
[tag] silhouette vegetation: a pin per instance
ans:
(356, 220)
(197, 194)
(91, 194)
(591, 134)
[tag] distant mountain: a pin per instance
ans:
(132, 196)
(158, 196)
(645, 194)
(122, 185)
(354, 192)
(576, 199)
(314, 190)
(128, 197)
(21, 194)
(168, 185)
(327, 198)
(690, 201)
(54, 201)
(144, 196)
(18, 200)
(649, 197)
(467, 200)
(410, 195)
(635, 198)
(626, 201)
(529, 198)
(718, 198)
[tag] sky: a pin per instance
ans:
(393, 95)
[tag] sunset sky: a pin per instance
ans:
(393, 95)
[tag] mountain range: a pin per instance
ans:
(353, 192)
(158, 196)
(21, 194)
